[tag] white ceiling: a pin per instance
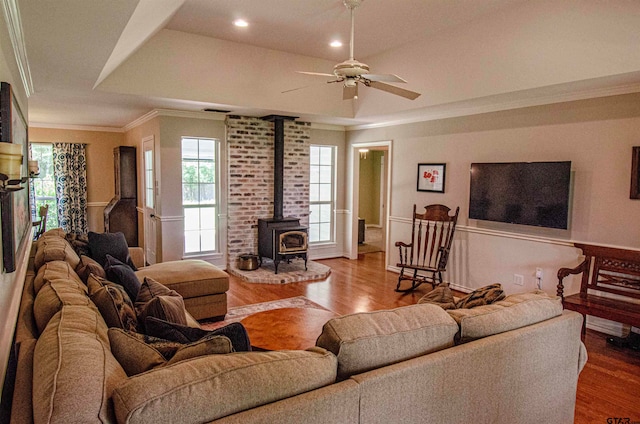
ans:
(106, 63)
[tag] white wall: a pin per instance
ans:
(333, 136)
(596, 135)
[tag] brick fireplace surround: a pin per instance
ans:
(250, 152)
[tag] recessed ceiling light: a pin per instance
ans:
(241, 23)
(336, 43)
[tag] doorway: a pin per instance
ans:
(149, 216)
(376, 181)
(372, 199)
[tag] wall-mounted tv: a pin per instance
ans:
(526, 193)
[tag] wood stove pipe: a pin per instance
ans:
(278, 163)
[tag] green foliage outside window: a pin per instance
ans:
(44, 186)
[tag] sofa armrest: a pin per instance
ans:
(137, 256)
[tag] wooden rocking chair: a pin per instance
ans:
(425, 258)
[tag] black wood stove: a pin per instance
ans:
(280, 238)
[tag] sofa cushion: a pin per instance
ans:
(53, 295)
(482, 296)
(235, 331)
(54, 270)
(209, 387)
(55, 249)
(515, 311)
(136, 355)
(441, 296)
(74, 372)
(89, 266)
(169, 306)
(114, 244)
(113, 302)
(122, 274)
(190, 277)
(54, 232)
(366, 341)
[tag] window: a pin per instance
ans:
(199, 194)
(321, 193)
(44, 186)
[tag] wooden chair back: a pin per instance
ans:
(41, 224)
(608, 269)
(425, 257)
(431, 236)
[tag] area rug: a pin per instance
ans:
(238, 313)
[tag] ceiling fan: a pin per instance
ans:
(351, 72)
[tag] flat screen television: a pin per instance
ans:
(526, 193)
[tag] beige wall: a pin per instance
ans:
(596, 135)
(100, 168)
(369, 193)
(167, 132)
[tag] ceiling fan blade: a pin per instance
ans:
(295, 89)
(349, 93)
(384, 77)
(411, 95)
(311, 85)
(321, 74)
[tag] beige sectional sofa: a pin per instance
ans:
(512, 362)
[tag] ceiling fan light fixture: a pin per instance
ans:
(336, 43)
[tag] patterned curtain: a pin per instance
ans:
(70, 169)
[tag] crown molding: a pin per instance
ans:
(74, 127)
(214, 116)
(459, 110)
(14, 25)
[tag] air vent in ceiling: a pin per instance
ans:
(216, 110)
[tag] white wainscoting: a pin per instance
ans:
(482, 256)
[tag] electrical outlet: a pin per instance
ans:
(539, 273)
(518, 279)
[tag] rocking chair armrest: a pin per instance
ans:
(565, 272)
(403, 244)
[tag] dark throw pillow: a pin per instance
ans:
(185, 334)
(114, 244)
(441, 296)
(122, 274)
(482, 296)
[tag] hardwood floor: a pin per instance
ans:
(608, 387)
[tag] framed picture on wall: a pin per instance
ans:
(16, 216)
(635, 173)
(431, 177)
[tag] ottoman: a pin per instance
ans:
(202, 285)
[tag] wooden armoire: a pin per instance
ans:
(121, 215)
